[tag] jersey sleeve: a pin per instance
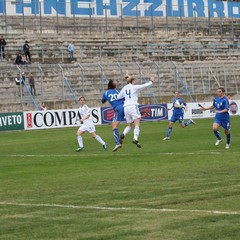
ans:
(214, 102)
(184, 103)
(104, 99)
(142, 86)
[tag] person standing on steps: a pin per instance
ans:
(32, 85)
(3, 43)
(26, 50)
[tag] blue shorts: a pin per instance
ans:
(118, 114)
(175, 118)
(223, 123)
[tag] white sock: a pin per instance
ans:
(80, 141)
(126, 130)
(136, 133)
(98, 138)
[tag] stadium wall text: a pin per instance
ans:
(11, 121)
(35, 120)
(57, 118)
(116, 8)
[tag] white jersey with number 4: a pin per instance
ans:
(130, 93)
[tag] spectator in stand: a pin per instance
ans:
(18, 60)
(17, 81)
(71, 51)
(19, 84)
(26, 49)
(32, 85)
(24, 60)
(23, 81)
(23, 78)
(43, 107)
(2, 45)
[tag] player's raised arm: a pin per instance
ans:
(206, 108)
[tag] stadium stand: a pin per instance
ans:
(193, 57)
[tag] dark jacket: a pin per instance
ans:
(2, 42)
(18, 60)
(31, 81)
(26, 47)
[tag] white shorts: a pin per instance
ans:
(131, 113)
(87, 128)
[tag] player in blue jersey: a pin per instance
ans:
(110, 96)
(222, 117)
(178, 106)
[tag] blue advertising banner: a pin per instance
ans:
(156, 112)
(116, 8)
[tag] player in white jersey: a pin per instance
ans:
(87, 126)
(131, 110)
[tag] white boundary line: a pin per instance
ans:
(212, 212)
(122, 154)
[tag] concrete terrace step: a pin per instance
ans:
(104, 52)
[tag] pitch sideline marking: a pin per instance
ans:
(214, 212)
(122, 154)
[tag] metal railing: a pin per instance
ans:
(23, 83)
(145, 79)
(180, 80)
(153, 52)
(65, 80)
(86, 79)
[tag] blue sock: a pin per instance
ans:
(169, 131)
(116, 136)
(217, 134)
(228, 138)
(187, 123)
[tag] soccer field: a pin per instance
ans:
(185, 188)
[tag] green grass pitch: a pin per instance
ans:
(186, 188)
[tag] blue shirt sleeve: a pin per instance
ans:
(104, 99)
